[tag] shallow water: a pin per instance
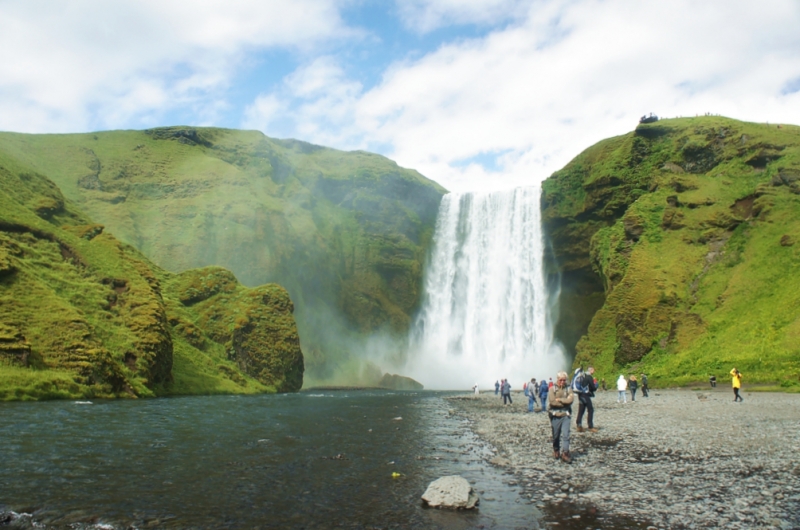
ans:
(306, 460)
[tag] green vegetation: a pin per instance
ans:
(345, 232)
(681, 239)
(83, 315)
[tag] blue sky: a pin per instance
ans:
(475, 94)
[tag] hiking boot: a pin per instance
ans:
(566, 457)
(593, 429)
(556, 454)
(581, 429)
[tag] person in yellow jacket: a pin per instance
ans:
(737, 384)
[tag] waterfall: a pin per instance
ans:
(484, 314)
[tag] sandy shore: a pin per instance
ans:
(677, 459)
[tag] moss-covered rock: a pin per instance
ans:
(85, 315)
(345, 232)
(672, 234)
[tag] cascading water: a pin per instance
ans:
(485, 309)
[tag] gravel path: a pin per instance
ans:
(677, 459)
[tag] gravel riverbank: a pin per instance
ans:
(677, 459)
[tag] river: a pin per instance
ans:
(315, 459)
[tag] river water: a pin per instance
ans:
(308, 460)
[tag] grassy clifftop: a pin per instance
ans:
(678, 249)
(84, 315)
(345, 233)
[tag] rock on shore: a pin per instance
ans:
(677, 459)
(452, 492)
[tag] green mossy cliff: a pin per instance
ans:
(676, 247)
(83, 315)
(345, 232)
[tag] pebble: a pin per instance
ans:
(669, 460)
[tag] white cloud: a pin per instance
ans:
(427, 15)
(568, 75)
(66, 66)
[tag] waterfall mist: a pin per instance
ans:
(485, 313)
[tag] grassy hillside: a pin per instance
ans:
(678, 248)
(84, 315)
(345, 233)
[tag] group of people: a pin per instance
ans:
(632, 384)
(557, 399)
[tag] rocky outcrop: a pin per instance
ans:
(453, 492)
(399, 382)
(346, 233)
(665, 241)
(84, 315)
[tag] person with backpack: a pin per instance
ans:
(560, 411)
(583, 384)
(645, 388)
(543, 390)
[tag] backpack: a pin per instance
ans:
(578, 384)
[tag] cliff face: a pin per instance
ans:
(84, 315)
(345, 233)
(675, 244)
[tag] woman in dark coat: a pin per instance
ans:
(632, 386)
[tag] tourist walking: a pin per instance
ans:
(645, 388)
(713, 381)
(737, 384)
(530, 391)
(496, 387)
(633, 385)
(544, 388)
(475, 389)
(622, 387)
(560, 411)
(586, 387)
(506, 392)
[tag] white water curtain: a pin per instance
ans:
(484, 311)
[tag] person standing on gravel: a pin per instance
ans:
(506, 391)
(633, 385)
(622, 387)
(587, 388)
(530, 391)
(560, 410)
(645, 388)
(496, 387)
(544, 388)
(737, 384)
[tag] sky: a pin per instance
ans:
(474, 94)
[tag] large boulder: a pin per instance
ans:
(452, 492)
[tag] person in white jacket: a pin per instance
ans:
(622, 386)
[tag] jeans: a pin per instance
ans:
(585, 404)
(543, 400)
(633, 394)
(623, 398)
(531, 403)
(736, 394)
(560, 427)
(507, 396)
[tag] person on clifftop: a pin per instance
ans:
(737, 384)
(560, 410)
